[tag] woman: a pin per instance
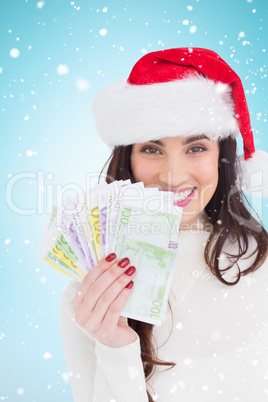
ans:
(173, 126)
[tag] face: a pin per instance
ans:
(188, 166)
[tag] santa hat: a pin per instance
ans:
(180, 92)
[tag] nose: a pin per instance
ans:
(174, 172)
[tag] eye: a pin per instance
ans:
(197, 149)
(150, 150)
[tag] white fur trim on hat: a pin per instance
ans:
(127, 114)
(254, 173)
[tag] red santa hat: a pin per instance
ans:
(179, 92)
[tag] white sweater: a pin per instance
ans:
(218, 339)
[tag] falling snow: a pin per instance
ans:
(65, 377)
(193, 29)
(47, 355)
(62, 69)
(133, 372)
(82, 84)
(14, 53)
(187, 361)
(40, 4)
(103, 32)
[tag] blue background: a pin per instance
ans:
(47, 127)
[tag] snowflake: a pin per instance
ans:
(103, 32)
(14, 53)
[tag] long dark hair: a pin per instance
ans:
(230, 219)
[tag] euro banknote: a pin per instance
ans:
(126, 218)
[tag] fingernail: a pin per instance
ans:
(123, 263)
(130, 285)
(110, 257)
(130, 271)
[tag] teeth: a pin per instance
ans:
(178, 197)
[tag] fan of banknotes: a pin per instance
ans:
(125, 218)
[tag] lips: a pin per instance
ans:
(182, 203)
(182, 195)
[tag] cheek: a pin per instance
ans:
(142, 170)
(208, 172)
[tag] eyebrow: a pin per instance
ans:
(187, 141)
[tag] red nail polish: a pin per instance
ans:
(130, 271)
(130, 285)
(123, 263)
(110, 257)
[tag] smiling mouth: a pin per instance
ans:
(178, 197)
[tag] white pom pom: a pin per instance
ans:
(254, 173)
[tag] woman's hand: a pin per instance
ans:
(101, 298)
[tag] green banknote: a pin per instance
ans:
(155, 265)
(149, 239)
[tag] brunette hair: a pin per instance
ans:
(230, 219)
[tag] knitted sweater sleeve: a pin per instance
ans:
(97, 372)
